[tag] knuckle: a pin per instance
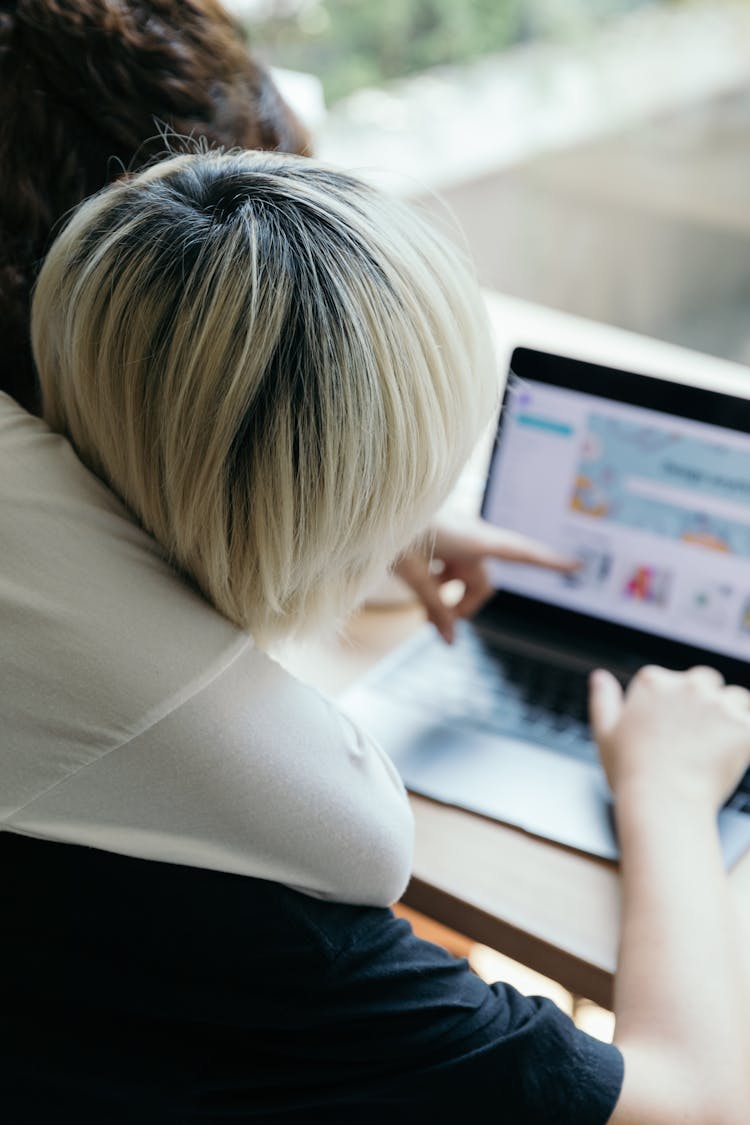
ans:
(704, 674)
(737, 700)
(650, 674)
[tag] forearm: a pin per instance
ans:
(679, 992)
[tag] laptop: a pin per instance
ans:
(647, 483)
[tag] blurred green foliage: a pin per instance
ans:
(349, 44)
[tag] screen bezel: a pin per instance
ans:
(675, 399)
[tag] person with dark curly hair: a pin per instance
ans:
(88, 88)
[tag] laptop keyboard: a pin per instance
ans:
(506, 693)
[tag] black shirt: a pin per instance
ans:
(144, 993)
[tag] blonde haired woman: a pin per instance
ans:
(279, 373)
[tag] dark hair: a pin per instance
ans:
(88, 88)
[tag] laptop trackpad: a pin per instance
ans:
(543, 792)
(516, 782)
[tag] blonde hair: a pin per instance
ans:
(280, 370)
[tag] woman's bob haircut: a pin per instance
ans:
(279, 369)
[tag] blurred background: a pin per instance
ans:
(596, 153)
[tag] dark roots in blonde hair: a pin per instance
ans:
(279, 369)
(87, 90)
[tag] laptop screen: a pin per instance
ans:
(653, 502)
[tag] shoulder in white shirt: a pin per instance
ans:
(138, 720)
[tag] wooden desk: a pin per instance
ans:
(550, 908)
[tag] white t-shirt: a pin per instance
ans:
(136, 719)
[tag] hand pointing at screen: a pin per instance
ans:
(459, 551)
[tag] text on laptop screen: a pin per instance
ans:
(655, 507)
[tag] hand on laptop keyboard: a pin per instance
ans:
(684, 732)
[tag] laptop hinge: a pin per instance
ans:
(546, 645)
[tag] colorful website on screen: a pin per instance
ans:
(655, 508)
